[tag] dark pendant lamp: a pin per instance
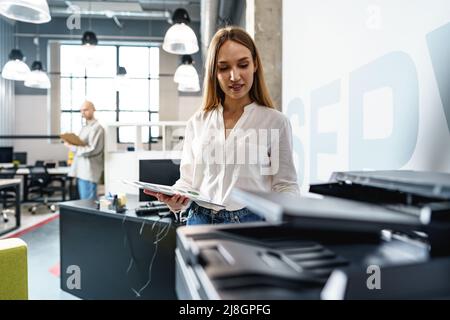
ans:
(121, 79)
(89, 39)
(121, 71)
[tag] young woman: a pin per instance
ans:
(237, 139)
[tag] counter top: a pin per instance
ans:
(90, 207)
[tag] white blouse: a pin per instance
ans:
(256, 155)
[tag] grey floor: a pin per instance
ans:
(27, 219)
(43, 256)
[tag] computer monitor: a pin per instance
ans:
(21, 157)
(6, 154)
(165, 172)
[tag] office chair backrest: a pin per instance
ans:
(50, 165)
(39, 176)
(39, 163)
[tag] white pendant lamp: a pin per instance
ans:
(32, 11)
(15, 68)
(88, 56)
(37, 78)
(180, 38)
(194, 87)
(186, 76)
(186, 72)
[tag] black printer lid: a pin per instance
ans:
(423, 183)
(324, 212)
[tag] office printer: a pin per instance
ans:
(362, 235)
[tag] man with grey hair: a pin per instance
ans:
(87, 166)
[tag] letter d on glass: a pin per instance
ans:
(74, 280)
(374, 280)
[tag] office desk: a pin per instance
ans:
(8, 165)
(60, 171)
(117, 254)
(7, 183)
(24, 170)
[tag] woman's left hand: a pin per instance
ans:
(175, 203)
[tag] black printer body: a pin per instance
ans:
(362, 235)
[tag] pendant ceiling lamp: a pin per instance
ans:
(37, 78)
(194, 87)
(89, 39)
(186, 72)
(32, 11)
(121, 79)
(15, 68)
(121, 72)
(180, 38)
(186, 76)
(88, 56)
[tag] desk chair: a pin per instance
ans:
(50, 165)
(7, 193)
(40, 182)
(39, 163)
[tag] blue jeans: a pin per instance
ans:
(200, 215)
(87, 189)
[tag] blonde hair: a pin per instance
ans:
(213, 94)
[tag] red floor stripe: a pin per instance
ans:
(55, 270)
(33, 227)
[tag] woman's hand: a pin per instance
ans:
(175, 203)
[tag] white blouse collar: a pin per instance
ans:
(247, 108)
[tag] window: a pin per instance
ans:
(90, 73)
